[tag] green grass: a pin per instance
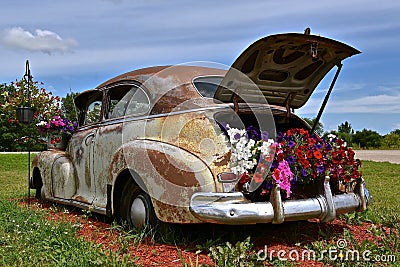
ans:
(13, 175)
(27, 238)
(383, 182)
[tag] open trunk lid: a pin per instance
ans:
(286, 68)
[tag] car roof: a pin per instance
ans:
(180, 73)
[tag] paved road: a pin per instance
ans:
(392, 156)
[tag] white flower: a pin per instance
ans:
(41, 124)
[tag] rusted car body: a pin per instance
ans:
(150, 147)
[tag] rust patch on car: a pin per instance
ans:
(169, 213)
(172, 170)
(223, 160)
(81, 199)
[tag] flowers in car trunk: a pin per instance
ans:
(296, 157)
(313, 157)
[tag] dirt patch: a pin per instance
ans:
(289, 236)
(392, 156)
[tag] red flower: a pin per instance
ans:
(304, 163)
(299, 153)
(309, 154)
(244, 178)
(311, 142)
(317, 154)
(276, 174)
(339, 141)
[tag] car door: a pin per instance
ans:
(124, 121)
(83, 143)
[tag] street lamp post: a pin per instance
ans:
(25, 115)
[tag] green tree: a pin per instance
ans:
(392, 140)
(397, 131)
(320, 127)
(345, 132)
(367, 139)
(68, 106)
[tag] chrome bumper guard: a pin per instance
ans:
(235, 209)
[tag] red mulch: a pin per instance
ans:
(287, 236)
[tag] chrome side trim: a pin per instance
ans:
(78, 204)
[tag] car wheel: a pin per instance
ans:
(136, 208)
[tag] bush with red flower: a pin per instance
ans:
(18, 136)
(18, 94)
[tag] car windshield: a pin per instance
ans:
(207, 85)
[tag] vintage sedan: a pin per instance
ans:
(152, 144)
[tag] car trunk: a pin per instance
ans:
(262, 118)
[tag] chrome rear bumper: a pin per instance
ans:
(235, 209)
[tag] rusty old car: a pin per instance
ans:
(151, 144)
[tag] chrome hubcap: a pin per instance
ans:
(138, 212)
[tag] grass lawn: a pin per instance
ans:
(27, 238)
(383, 182)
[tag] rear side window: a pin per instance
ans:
(207, 85)
(134, 102)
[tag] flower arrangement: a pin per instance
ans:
(295, 158)
(56, 127)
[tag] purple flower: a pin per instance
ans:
(318, 146)
(304, 172)
(237, 136)
(290, 159)
(328, 146)
(291, 144)
(320, 169)
(274, 164)
(279, 137)
(253, 133)
(264, 136)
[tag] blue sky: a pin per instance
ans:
(79, 44)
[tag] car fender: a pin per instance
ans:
(57, 173)
(169, 174)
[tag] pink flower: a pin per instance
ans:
(283, 176)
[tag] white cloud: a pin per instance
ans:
(42, 40)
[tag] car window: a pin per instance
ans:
(93, 112)
(139, 103)
(134, 102)
(207, 85)
(118, 102)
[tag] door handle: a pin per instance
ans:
(92, 134)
